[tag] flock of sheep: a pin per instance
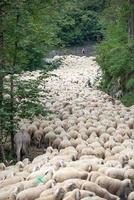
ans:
(88, 141)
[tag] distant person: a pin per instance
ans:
(83, 51)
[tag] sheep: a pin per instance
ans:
(37, 123)
(56, 143)
(44, 124)
(28, 184)
(58, 130)
(104, 137)
(84, 136)
(74, 195)
(26, 161)
(12, 170)
(73, 134)
(99, 152)
(23, 174)
(2, 166)
(81, 119)
(110, 130)
(71, 151)
(88, 124)
(73, 142)
(10, 181)
(39, 158)
(91, 130)
(84, 193)
(79, 165)
(46, 172)
(47, 130)
(74, 128)
(53, 193)
(117, 149)
(77, 194)
(71, 123)
(107, 153)
(129, 174)
(11, 193)
(80, 147)
(69, 172)
(93, 198)
(131, 196)
(65, 124)
(114, 186)
(71, 184)
(65, 143)
(113, 163)
(130, 123)
(87, 151)
(33, 193)
(63, 158)
(116, 173)
(6, 174)
(37, 136)
(92, 160)
(99, 191)
(22, 143)
(110, 144)
(93, 175)
(131, 163)
(58, 195)
(49, 138)
(31, 129)
(47, 192)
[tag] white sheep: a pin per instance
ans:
(99, 191)
(131, 196)
(69, 172)
(114, 186)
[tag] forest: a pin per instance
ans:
(32, 28)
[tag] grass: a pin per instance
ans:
(128, 99)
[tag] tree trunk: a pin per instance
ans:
(131, 22)
(12, 113)
(12, 89)
(1, 82)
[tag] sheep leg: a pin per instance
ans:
(18, 151)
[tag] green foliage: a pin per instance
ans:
(128, 99)
(29, 32)
(27, 89)
(27, 99)
(26, 103)
(79, 22)
(28, 109)
(130, 84)
(115, 53)
(54, 64)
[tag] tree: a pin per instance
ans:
(1, 77)
(79, 22)
(26, 33)
(131, 26)
(115, 53)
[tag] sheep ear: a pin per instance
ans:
(90, 168)
(53, 183)
(88, 177)
(11, 161)
(77, 195)
(6, 162)
(82, 187)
